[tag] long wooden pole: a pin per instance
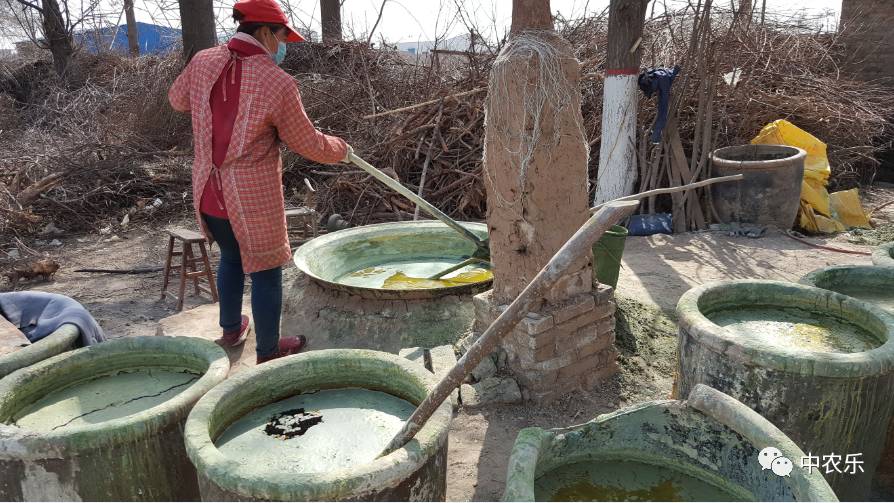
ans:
(482, 245)
(424, 103)
(671, 190)
(579, 244)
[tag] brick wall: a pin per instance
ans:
(560, 348)
(868, 29)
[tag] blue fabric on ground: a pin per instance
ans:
(39, 314)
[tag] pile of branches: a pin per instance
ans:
(437, 145)
(87, 155)
(782, 70)
(80, 156)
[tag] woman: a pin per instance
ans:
(243, 105)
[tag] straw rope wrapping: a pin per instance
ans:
(549, 92)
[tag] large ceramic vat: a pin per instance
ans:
(363, 397)
(769, 193)
(706, 448)
(65, 338)
(815, 363)
(105, 423)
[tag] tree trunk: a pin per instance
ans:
(199, 29)
(133, 35)
(617, 153)
(330, 14)
(746, 8)
(531, 15)
(57, 38)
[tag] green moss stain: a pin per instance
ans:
(791, 327)
(883, 298)
(620, 480)
(357, 424)
(104, 398)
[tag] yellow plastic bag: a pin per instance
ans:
(847, 209)
(820, 211)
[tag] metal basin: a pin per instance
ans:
(328, 259)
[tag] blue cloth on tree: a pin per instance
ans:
(658, 80)
(39, 314)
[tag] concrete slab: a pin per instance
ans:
(443, 358)
(11, 338)
(203, 322)
(414, 354)
(659, 269)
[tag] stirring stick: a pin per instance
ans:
(579, 244)
(482, 249)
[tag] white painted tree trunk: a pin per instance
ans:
(617, 155)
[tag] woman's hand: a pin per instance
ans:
(347, 159)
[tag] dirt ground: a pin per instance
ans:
(656, 271)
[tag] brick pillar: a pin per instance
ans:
(536, 178)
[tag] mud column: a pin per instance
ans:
(536, 178)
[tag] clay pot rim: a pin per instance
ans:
(716, 159)
(20, 443)
(318, 244)
(350, 482)
(716, 405)
(876, 361)
(872, 272)
(63, 339)
(884, 255)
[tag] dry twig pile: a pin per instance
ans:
(85, 156)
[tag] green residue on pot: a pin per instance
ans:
(883, 299)
(357, 425)
(796, 328)
(412, 275)
(622, 480)
(104, 398)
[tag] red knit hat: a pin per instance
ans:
(266, 11)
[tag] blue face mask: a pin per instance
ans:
(280, 55)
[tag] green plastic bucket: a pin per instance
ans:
(607, 254)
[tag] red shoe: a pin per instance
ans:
(235, 337)
(287, 346)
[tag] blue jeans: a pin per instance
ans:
(266, 290)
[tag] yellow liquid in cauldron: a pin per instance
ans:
(412, 275)
(621, 480)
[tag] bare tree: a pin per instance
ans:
(50, 25)
(376, 24)
(617, 153)
(531, 15)
(198, 26)
(133, 35)
(330, 16)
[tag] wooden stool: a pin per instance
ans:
(187, 265)
(303, 220)
(303, 224)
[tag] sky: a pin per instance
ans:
(419, 20)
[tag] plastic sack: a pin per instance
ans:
(847, 209)
(820, 212)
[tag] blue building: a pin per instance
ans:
(154, 39)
